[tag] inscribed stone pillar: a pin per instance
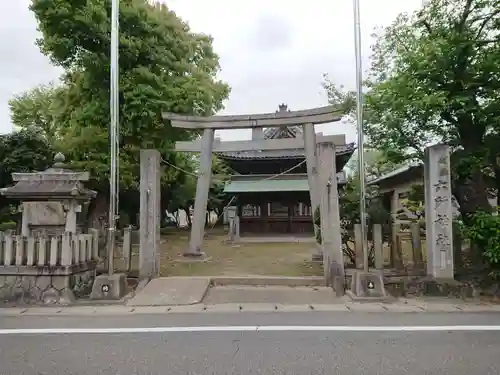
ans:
(330, 214)
(150, 214)
(438, 212)
(201, 199)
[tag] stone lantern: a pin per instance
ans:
(50, 200)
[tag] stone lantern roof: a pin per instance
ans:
(55, 183)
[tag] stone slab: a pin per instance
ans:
(171, 291)
(258, 280)
(198, 258)
(276, 295)
(111, 287)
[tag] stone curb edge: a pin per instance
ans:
(111, 310)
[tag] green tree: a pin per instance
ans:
(376, 164)
(337, 95)
(38, 109)
(435, 77)
(164, 66)
(349, 204)
(26, 150)
(217, 199)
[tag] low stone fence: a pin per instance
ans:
(406, 250)
(48, 269)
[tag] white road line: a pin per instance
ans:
(35, 331)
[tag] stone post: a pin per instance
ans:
(25, 230)
(438, 212)
(237, 236)
(333, 258)
(149, 214)
(378, 246)
(395, 256)
(358, 247)
(201, 198)
(416, 245)
(71, 208)
(127, 247)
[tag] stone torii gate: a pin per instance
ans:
(323, 186)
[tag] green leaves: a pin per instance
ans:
(434, 77)
(485, 233)
(164, 66)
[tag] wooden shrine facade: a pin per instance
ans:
(271, 186)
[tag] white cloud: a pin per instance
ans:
(271, 52)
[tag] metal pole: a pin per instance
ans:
(359, 120)
(114, 124)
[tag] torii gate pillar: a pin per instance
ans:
(201, 199)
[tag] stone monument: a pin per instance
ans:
(438, 212)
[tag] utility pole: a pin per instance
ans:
(359, 120)
(113, 135)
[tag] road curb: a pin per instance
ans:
(111, 310)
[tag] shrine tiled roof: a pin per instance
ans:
(56, 182)
(47, 188)
(280, 154)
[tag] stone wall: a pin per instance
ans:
(28, 286)
(42, 269)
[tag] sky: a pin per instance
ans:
(271, 52)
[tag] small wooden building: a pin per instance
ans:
(271, 187)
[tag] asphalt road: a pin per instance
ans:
(437, 344)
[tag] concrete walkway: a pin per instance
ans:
(281, 295)
(171, 291)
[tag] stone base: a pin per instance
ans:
(35, 286)
(196, 259)
(317, 257)
(368, 286)
(193, 257)
(109, 287)
(194, 254)
(429, 286)
(53, 296)
(337, 279)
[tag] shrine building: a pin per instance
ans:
(271, 187)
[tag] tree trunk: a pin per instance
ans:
(470, 188)
(97, 218)
(97, 214)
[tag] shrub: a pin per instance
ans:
(8, 225)
(484, 232)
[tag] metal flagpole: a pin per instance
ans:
(113, 135)
(359, 120)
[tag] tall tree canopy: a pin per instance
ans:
(435, 77)
(164, 66)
